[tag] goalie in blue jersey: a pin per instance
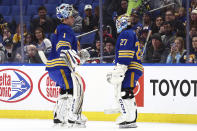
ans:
(61, 64)
(126, 73)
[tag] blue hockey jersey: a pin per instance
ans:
(128, 51)
(63, 39)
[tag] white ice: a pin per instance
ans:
(47, 125)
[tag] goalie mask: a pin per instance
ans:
(122, 23)
(64, 11)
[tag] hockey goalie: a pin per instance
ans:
(126, 73)
(61, 66)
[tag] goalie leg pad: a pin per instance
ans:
(128, 111)
(127, 105)
(76, 101)
(61, 109)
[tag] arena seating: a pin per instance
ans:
(10, 9)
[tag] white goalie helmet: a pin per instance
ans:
(64, 11)
(122, 22)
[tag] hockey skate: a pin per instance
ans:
(128, 125)
(57, 123)
(77, 121)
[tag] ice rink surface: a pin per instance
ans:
(47, 125)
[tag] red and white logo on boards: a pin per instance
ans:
(15, 85)
(139, 92)
(48, 89)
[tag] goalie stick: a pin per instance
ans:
(42, 56)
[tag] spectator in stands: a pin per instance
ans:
(5, 24)
(109, 50)
(32, 53)
(77, 26)
(192, 32)
(182, 15)
(17, 35)
(193, 20)
(154, 53)
(143, 34)
(43, 21)
(95, 52)
(177, 51)
(88, 22)
(106, 32)
(42, 43)
(2, 54)
(28, 40)
(123, 7)
(147, 21)
(135, 23)
(157, 24)
(10, 52)
(96, 17)
(6, 34)
(193, 54)
(178, 26)
(193, 4)
(169, 37)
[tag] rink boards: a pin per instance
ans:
(164, 93)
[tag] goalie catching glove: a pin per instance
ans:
(117, 75)
(84, 55)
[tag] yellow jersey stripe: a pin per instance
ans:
(135, 68)
(132, 79)
(65, 79)
(126, 51)
(60, 45)
(57, 62)
(125, 56)
(54, 65)
(136, 63)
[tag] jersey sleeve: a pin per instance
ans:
(125, 48)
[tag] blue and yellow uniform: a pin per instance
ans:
(63, 39)
(128, 53)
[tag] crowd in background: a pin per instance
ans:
(166, 26)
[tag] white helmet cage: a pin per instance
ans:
(64, 11)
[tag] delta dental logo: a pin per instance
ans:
(139, 92)
(15, 85)
(48, 89)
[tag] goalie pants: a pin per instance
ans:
(130, 79)
(63, 78)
